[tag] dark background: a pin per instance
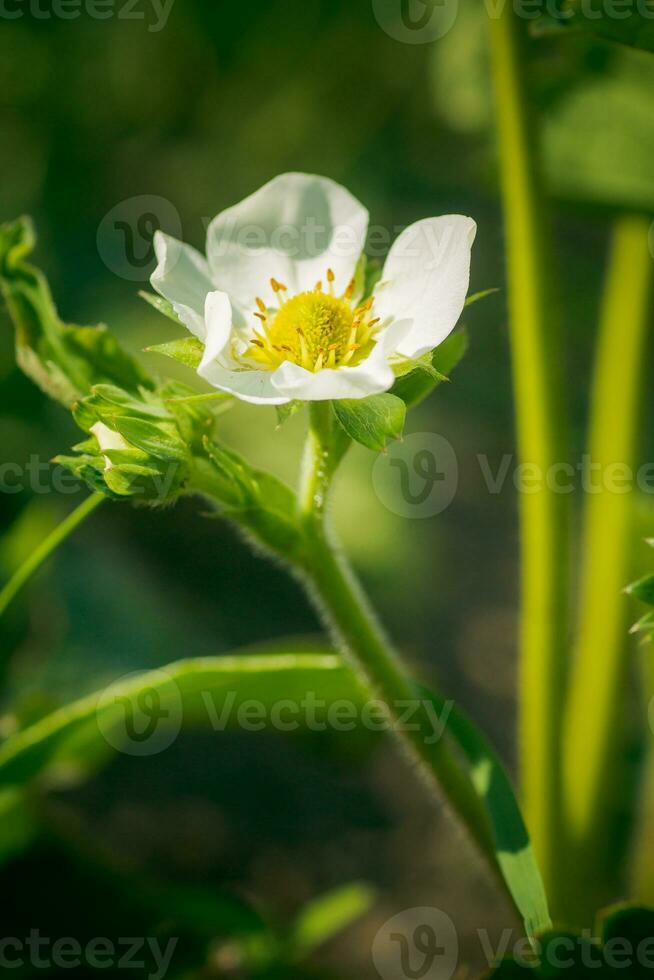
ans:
(94, 113)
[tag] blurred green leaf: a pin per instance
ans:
(328, 915)
(622, 23)
(373, 422)
(64, 360)
(18, 825)
(621, 945)
(597, 128)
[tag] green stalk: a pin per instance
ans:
(597, 692)
(540, 423)
(49, 544)
(359, 637)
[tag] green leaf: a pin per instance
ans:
(643, 589)
(373, 421)
(328, 915)
(161, 305)
(420, 381)
(207, 692)
(187, 350)
(515, 854)
(197, 692)
(64, 360)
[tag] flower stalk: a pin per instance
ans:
(358, 635)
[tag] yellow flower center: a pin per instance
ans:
(314, 329)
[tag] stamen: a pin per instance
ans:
(350, 290)
(277, 288)
(261, 317)
(318, 365)
(304, 350)
(330, 280)
(350, 353)
(262, 306)
(318, 286)
(259, 343)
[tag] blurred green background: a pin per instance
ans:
(95, 113)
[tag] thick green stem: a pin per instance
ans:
(359, 636)
(597, 693)
(46, 548)
(540, 422)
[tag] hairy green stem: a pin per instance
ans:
(49, 544)
(358, 635)
(540, 423)
(596, 704)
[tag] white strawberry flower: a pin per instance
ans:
(277, 301)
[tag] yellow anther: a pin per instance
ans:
(262, 306)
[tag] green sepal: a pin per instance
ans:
(255, 500)
(643, 589)
(373, 422)
(161, 305)
(287, 411)
(64, 360)
(187, 351)
(482, 294)
(419, 378)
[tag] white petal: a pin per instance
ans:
(248, 385)
(108, 439)
(293, 229)
(370, 377)
(182, 276)
(218, 322)
(425, 280)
